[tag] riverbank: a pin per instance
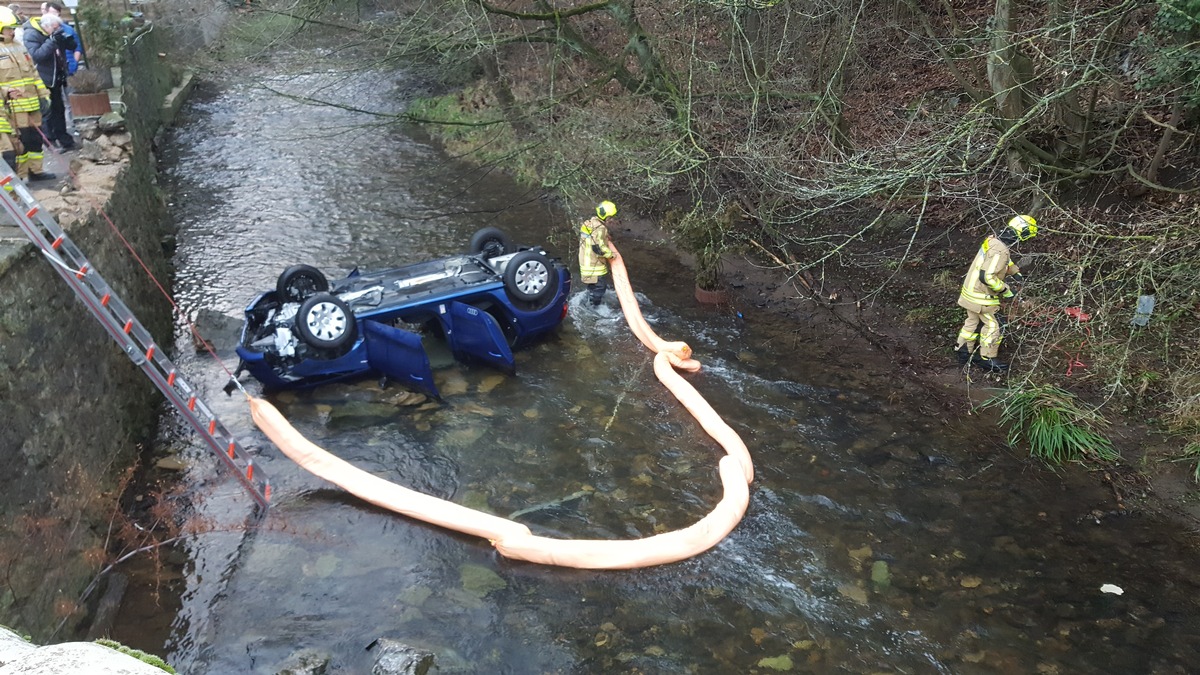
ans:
(911, 358)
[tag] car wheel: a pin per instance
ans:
(491, 242)
(325, 322)
(529, 277)
(299, 282)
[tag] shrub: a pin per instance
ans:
(1054, 424)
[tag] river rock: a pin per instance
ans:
(68, 657)
(396, 658)
(12, 646)
(479, 580)
(305, 662)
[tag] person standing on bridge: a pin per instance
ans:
(594, 251)
(982, 290)
(22, 93)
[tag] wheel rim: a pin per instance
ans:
(326, 321)
(531, 277)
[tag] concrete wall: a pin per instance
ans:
(75, 408)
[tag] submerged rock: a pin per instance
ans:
(305, 662)
(396, 658)
(479, 580)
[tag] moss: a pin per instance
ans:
(138, 654)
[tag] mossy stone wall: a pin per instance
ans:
(76, 409)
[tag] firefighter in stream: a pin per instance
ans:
(983, 289)
(594, 251)
(22, 91)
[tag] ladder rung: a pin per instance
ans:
(120, 323)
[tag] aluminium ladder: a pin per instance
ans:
(120, 323)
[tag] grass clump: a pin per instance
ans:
(1057, 428)
(138, 654)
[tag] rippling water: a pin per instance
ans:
(878, 539)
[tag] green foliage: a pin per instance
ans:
(1054, 424)
(103, 33)
(704, 232)
(1191, 453)
(1172, 51)
(138, 654)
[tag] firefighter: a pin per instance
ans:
(22, 91)
(594, 250)
(983, 289)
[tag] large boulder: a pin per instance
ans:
(19, 657)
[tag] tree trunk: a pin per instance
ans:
(1003, 75)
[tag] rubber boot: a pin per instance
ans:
(963, 354)
(991, 364)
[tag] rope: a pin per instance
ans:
(177, 310)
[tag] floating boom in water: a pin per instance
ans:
(515, 540)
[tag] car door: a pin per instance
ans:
(400, 356)
(474, 335)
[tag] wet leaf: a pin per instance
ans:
(860, 554)
(655, 650)
(881, 576)
(854, 593)
(758, 635)
(601, 639)
(490, 382)
(970, 582)
(780, 663)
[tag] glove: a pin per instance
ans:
(63, 40)
(1018, 277)
(1007, 294)
(596, 249)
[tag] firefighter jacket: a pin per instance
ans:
(984, 284)
(593, 250)
(21, 109)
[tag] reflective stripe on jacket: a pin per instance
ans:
(984, 283)
(591, 264)
(17, 72)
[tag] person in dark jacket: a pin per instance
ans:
(47, 45)
(74, 56)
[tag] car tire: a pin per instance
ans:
(300, 282)
(491, 242)
(529, 277)
(325, 322)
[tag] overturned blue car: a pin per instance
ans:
(485, 303)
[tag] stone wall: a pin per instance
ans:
(76, 409)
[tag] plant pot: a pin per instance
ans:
(89, 105)
(707, 297)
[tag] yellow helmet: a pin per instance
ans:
(605, 210)
(7, 18)
(1025, 227)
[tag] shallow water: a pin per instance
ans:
(878, 538)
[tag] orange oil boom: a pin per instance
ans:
(514, 540)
